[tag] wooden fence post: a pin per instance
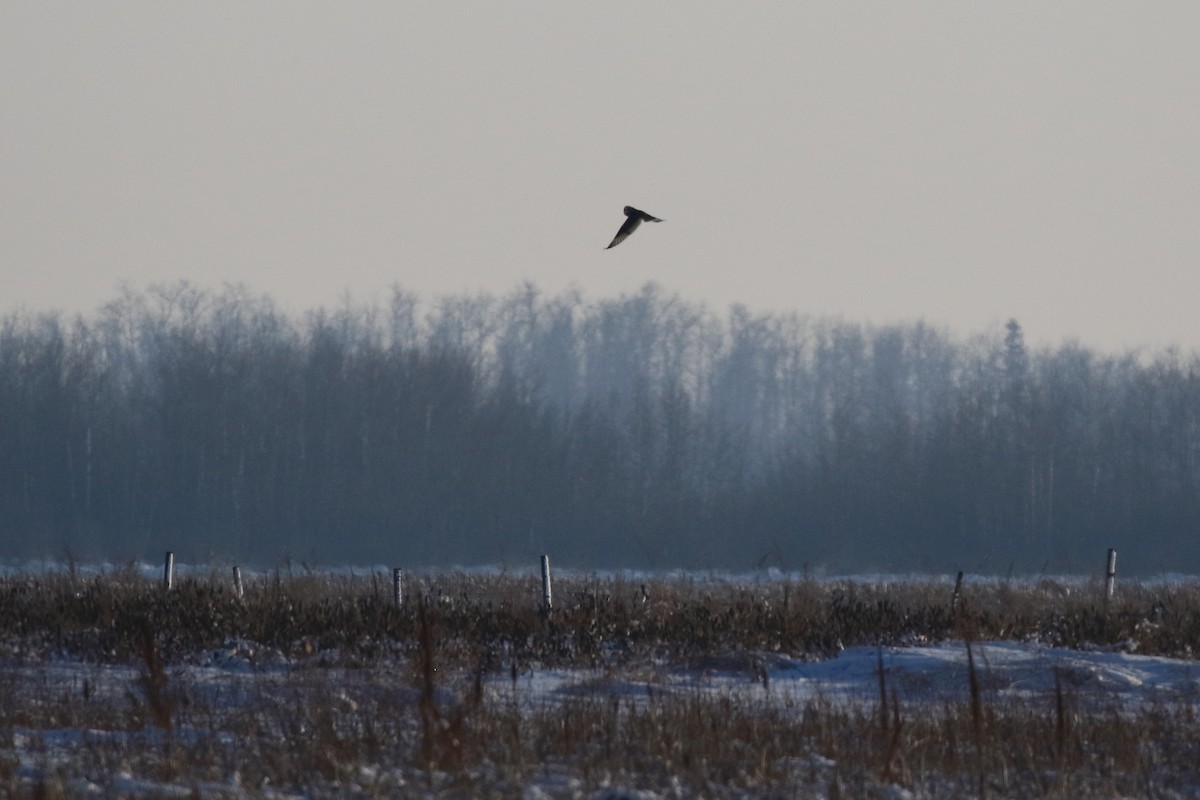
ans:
(546, 601)
(238, 590)
(397, 586)
(957, 592)
(1110, 575)
(169, 571)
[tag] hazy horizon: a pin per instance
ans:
(957, 164)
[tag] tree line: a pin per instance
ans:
(636, 431)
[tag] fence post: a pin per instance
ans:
(169, 571)
(957, 592)
(546, 601)
(397, 586)
(1110, 575)
(238, 590)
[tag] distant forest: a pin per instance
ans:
(642, 431)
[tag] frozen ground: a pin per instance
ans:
(250, 720)
(931, 674)
(936, 674)
(233, 681)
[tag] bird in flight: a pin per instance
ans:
(636, 218)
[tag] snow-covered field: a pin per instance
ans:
(931, 674)
(241, 681)
(250, 720)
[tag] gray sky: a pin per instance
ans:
(955, 162)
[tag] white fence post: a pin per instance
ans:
(238, 590)
(169, 571)
(546, 601)
(1110, 575)
(398, 586)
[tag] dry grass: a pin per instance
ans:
(378, 701)
(596, 621)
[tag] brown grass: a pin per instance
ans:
(380, 701)
(595, 621)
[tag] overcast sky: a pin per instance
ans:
(957, 162)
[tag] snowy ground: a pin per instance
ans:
(226, 682)
(219, 723)
(933, 674)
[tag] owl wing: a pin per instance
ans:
(629, 227)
